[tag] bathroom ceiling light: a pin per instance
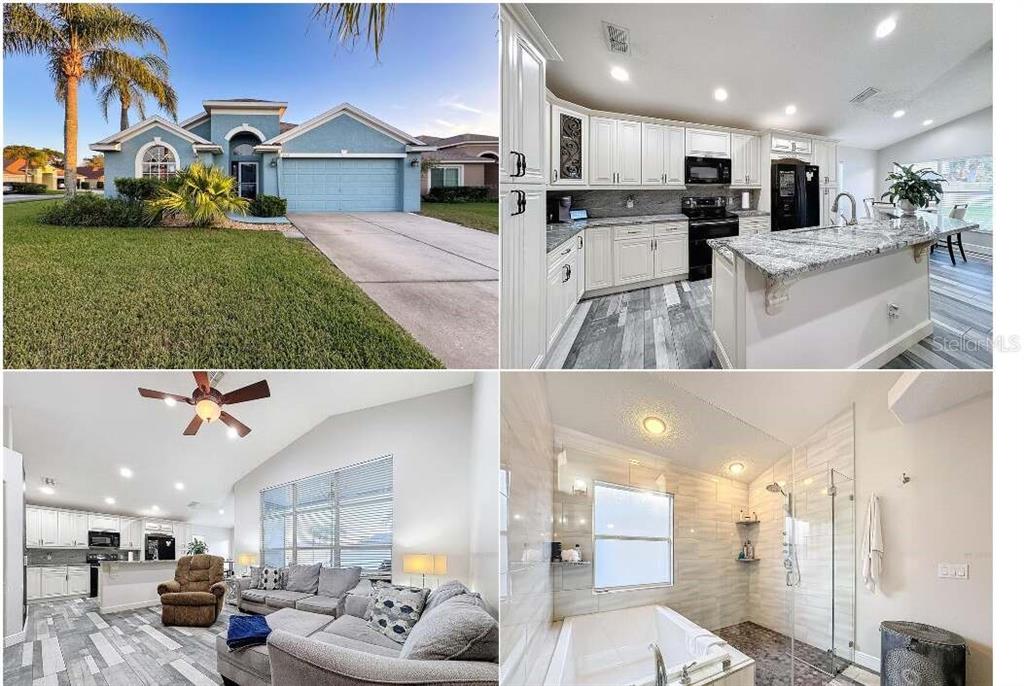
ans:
(109, 501)
(654, 426)
(898, 113)
(737, 468)
(721, 94)
(619, 74)
(790, 109)
(927, 122)
(885, 27)
(126, 473)
(179, 486)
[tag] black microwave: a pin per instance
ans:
(708, 170)
(104, 539)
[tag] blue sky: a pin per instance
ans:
(437, 73)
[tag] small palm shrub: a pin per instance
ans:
(201, 195)
(89, 209)
(268, 206)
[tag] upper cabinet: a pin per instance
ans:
(570, 131)
(793, 145)
(746, 160)
(522, 158)
(707, 143)
(99, 522)
(663, 155)
(73, 529)
(826, 156)
(614, 152)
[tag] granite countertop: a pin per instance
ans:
(788, 254)
(57, 564)
(751, 213)
(139, 562)
(560, 232)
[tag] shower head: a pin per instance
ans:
(774, 487)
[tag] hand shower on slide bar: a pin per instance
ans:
(789, 559)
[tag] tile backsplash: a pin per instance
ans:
(612, 203)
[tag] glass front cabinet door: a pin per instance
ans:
(569, 136)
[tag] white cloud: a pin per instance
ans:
(455, 103)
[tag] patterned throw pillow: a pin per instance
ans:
(271, 579)
(394, 610)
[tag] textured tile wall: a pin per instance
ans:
(612, 203)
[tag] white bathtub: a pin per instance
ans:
(612, 649)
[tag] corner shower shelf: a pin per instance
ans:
(748, 559)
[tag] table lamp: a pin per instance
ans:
(425, 563)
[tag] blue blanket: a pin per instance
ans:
(247, 630)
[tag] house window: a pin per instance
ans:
(340, 518)
(632, 538)
(158, 162)
(967, 180)
(242, 150)
(445, 177)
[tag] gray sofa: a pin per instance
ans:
(310, 648)
(310, 588)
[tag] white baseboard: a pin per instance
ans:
(869, 661)
(129, 606)
(723, 358)
(895, 347)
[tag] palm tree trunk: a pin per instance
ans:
(124, 116)
(70, 135)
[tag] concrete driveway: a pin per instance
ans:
(438, 280)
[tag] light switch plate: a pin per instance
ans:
(950, 570)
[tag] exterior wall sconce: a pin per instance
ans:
(273, 163)
(414, 163)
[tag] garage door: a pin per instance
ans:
(341, 185)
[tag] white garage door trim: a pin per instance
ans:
(342, 185)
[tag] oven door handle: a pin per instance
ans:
(713, 222)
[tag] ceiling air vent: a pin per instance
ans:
(864, 95)
(617, 38)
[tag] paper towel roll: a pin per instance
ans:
(745, 200)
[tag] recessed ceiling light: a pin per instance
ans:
(46, 490)
(169, 401)
(179, 486)
(126, 473)
(790, 109)
(927, 122)
(737, 468)
(898, 113)
(654, 426)
(885, 27)
(155, 508)
(721, 94)
(109, 501)
(619, 74)
(232, 433)
(220, 511)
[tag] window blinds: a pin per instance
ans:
(967, 180)
(340, 518)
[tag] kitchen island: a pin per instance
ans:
(127, 585)
(825, 297)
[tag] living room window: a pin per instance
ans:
(445, 177)
(967, 180)
(158, 162)
(340, 518)
(632, 538)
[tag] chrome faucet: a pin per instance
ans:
(661, 677)
(684, 678)
(853, 207)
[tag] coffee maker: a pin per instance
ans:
(558, 209)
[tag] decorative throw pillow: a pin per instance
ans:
(256, 574)
(457, 629)
(271, 579)
(396, 609)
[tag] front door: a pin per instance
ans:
(247, 176)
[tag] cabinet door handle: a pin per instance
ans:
(580, 239)
(566, 251)
(554, 176)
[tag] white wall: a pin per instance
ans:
(14, 536)
(483, 486)
(858, 174)
(219, 540)
(430, 438)
(944, 514)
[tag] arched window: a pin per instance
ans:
(159, 162)
(242, 150)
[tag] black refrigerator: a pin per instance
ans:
(795, 197)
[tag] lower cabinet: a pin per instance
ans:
(56, 581)
(34, 583)
(632, 254)
(671, 255)
(634, 260)
(599, 271)
(78, 580)
(53, 582)
(523, 249)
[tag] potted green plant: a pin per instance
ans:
(911, 189)
(196, 547)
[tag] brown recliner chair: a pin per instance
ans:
(196, 595)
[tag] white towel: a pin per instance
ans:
(871, 546)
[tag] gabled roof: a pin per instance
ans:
(355, 113)
(145, 124)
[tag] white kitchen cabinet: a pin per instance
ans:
(756, 224)
(707, 143)
(523, 272)
(49, 529)
(628, 156)
(33, 583)
(522, 67)
(561, 288)
(73, 529)
(158, 526)
(663, 155)
(78, 580)
(599, 271)
(569, 135)
(182, 537)
(53, 581)
(581, 266)
(131, 534)
(33, 527)
(671, 255)
(746, 160)
(602, 151)
(615, 154)
(634, 260)
(100, 522)
(794, 145)
(826, 156)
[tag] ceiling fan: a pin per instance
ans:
(208, 402)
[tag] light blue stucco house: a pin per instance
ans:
(343, 160)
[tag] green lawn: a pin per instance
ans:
(475, 215)
(185, 298)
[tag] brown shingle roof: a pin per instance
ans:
(90, 173)
(459, 139)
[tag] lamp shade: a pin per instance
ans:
(419, 563)
(247, 559)
(440, 565)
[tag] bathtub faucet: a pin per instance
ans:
(661, 677)
(684, 678)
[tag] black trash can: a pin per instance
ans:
(921, 655)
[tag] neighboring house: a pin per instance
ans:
(48, 175)
(90, 179)
(343, 160)
(468, 159)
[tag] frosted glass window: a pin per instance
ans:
(632, 538)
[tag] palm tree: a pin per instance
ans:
(79, 41)
(346, 20)
(94, 161)
(36, 159)
(148, 77)
(200, 194)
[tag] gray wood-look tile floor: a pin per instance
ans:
(669, 326)
(69, 643)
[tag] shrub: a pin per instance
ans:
(139, 190)
(457, 194)
(201, 195)
(27, 188)
(268, 206)
(88, 209)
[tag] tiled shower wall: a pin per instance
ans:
(710, 585)
(831, 447)
(612, 203)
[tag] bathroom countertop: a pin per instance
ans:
(560, 232)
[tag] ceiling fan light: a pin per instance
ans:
(208, 410)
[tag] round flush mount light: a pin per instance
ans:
(885, 27)
(220, 511)
(721, 94)
(179, 486)
(927, 122)
(109, 501)
(126, 473)
(790, 109)
(654, 426)
(898, 113)
(737, 468)
(619, 74)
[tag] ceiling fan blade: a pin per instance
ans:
(193, 426)
(238, 426)
(203, 381)
(160, 395)
(254, 391)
